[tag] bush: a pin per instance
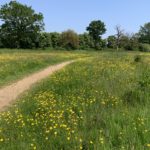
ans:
(69, 39)
(129, 43)
(85, 41)
(55, 39)
(1, 45)
(111, 42)
(144, 47)
(45, 40)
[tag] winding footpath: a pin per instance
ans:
(11, 92)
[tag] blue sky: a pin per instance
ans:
(60, 15)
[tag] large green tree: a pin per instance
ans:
(21, 26)
(144, 33)
(96, 29)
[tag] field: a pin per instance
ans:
(100, 102)
(15, 64)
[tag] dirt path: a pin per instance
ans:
(11, 92)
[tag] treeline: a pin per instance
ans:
(22, 27)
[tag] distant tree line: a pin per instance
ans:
(22, 27)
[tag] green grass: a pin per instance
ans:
(15, 64)
(100, 102)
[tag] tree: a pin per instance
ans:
(144, 33)
(132, 43)
(21, 25)
(103, 43)
(85, 41)
(1, 45)
(45, 40)
(111, 41)
(55, 39)
(129, 42)
(69, 39)
(96, 29)
(119, 34)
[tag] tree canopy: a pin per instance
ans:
(144, 33)
(96, 29)
(69, 39)
(21, 25)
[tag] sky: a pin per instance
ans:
(60, 15)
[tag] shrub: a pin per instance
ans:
(144, 47)
(85, 41)
(69, 39)
(55, 39)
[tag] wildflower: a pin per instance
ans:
(68, 138)
(1, 140)
(103, 103)
(101, 140)
(148, 145)
(34, 147)
(80, 140)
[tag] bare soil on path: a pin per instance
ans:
(11, 92)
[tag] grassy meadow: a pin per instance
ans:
(101, 102)
(15, 64)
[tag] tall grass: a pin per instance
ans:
(99, 103)
(15, 64)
